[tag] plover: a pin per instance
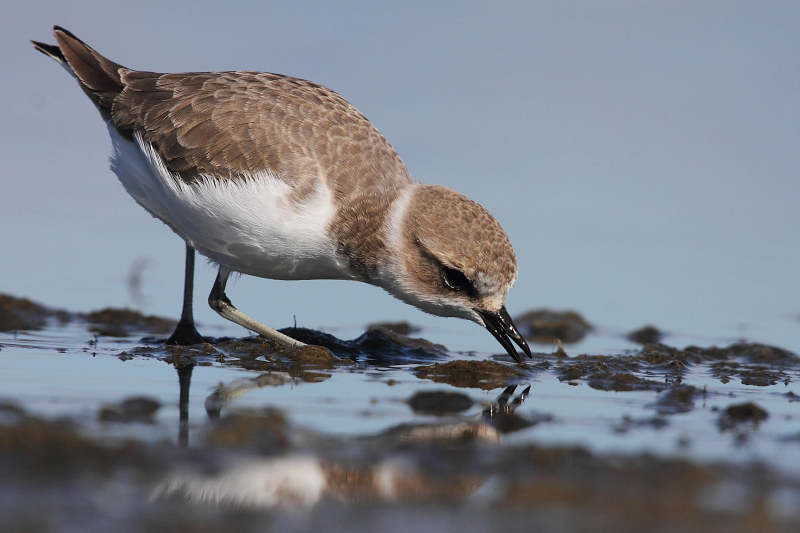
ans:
(282, 178)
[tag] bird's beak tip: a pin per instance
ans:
(503, 329)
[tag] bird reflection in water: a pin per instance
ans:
(389, 466)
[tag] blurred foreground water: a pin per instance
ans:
(102, 427)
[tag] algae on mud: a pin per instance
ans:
(439, 402)
(21, 314)
(485, 375)
(445, 438)
(352, 485)
(544, 326)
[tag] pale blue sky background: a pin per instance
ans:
(644, 157)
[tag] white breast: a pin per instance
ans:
(251, 225)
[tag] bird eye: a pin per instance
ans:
(456, 280)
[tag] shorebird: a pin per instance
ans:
(282, 178)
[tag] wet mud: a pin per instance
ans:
(545, 326)
(742, 413)
(112, 322)
(21, 314)
(403, 328)
(130, 410)
(440, 402)
(486, 375)
(646, 335)
(248, 467)
(471, 450)
(307, 363)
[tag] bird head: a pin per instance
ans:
(451, 258)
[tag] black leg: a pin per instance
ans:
(185, 333)
(184, 380)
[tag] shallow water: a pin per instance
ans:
(270, 432)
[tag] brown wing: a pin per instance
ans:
(231, 124)
(235, 124)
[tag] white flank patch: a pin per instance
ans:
(250, 225)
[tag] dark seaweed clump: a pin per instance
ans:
(545, 326)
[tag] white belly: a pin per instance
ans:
(247, 225)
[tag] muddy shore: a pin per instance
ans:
(471, 449)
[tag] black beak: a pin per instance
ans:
(502, 327)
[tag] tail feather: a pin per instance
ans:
(95, 71)
(49, 50)
(98, 76)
